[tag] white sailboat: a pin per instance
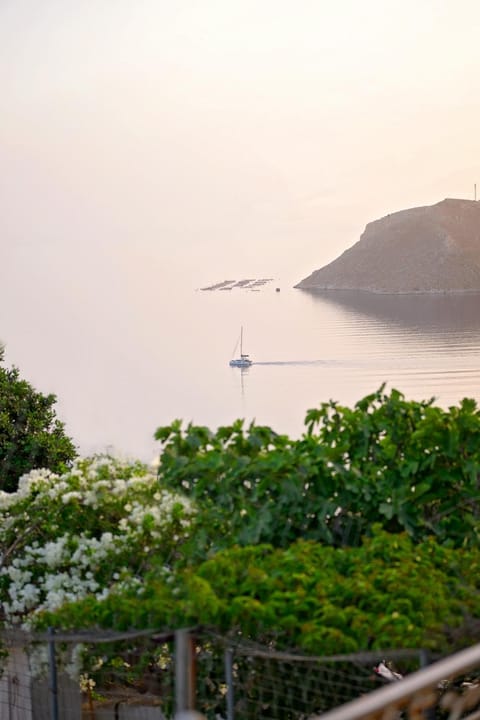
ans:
(243, 361)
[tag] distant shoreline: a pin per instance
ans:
(373, 291)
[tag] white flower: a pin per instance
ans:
(74, 495)
(66, 561)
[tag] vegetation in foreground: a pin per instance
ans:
(361, 534)
(31, 436)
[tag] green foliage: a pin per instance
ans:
(389, 592)
(101, 525)
(410, 466)
(242, 481)
(363, 533)
(30, 434)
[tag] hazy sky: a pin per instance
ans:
(141, 139)
(285, 123)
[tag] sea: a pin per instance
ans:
(311, 347)
(124, 366)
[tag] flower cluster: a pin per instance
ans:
(86, 532)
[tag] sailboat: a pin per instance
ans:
(243, 361)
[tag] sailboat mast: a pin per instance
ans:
(241, 340)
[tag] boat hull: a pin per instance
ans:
(242, 363)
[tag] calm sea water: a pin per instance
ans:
(309, 348)
(124, 367)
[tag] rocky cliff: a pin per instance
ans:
(435, 248)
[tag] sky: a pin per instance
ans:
(148, 142)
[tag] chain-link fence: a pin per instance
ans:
(152, 675)
(87, 675)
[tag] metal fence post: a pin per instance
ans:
(229, 682)
(184, 671)
(424, 657)
(53, 674)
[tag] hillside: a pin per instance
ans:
(435, 248)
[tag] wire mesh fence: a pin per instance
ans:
(270, 684)
(275, 687)
(87, 676)
(130, 677)
(152, 675)
(15, 699)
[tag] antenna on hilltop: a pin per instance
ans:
(475, 191)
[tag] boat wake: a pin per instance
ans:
(291, 362)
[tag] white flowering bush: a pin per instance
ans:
(87, 533)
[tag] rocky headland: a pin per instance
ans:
(431, 249)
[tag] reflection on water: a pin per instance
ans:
(425, 345)
(428, 313)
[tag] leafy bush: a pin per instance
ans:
(389, 592)
(31, 436)
(363, 533)
(83, 534)
(410, 466)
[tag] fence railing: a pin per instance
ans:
(435, 691)
(154, 675)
